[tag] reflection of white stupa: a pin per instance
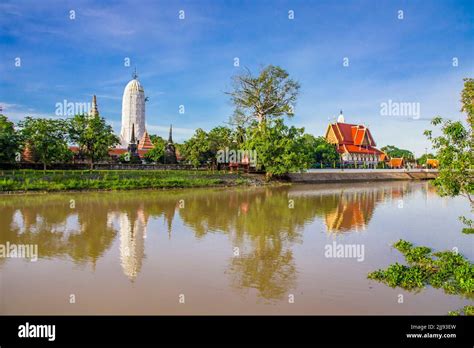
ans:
(132, 243)
(133, 111)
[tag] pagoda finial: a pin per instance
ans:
(170, 137)
(134, 75)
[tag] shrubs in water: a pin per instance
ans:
(447, 270)
(466, 310)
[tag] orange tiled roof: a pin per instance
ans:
(358, 149)
(432, 162)
(114, 151)
(347, 133)
(145, 142)
(396, 162)
(120, 151)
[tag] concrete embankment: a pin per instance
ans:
(348, 175)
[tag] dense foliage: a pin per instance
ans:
(202, 148)
(46, 139)
(321, 152)
(280, 149)
(156, 155)
(455, 152)
(93, 136)
(10, 141)
(196, 150)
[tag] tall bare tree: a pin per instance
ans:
(271, 94)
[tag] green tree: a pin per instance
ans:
(271, 94)
(9, 140)
(219, 138)
(202, 147)
(156, 154)
(238, 136)
(394, 151)
(93, 136)
(196, 150)
(280, 149)
(455, 152)
(320, 150)
(47, 139)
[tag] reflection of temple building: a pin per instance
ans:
(355, 208)
(132, 229)
(347, 217)
(353, 212)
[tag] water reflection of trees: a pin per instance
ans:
(261, 222)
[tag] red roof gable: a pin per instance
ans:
(353, 138)
(352, 134)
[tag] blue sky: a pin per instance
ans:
(190, 62)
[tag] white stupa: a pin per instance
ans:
(133, 111)
(340, 118)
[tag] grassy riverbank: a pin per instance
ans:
(76, 180)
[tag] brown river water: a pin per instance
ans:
(224, 250)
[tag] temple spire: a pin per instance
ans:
(170, 137)
(94, 110)
(134, 75)
(132, 140)
(170, 150)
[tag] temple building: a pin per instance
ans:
(137, 145)
(354, 143)
(134, 138)
(136, 149)
(133, 111)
